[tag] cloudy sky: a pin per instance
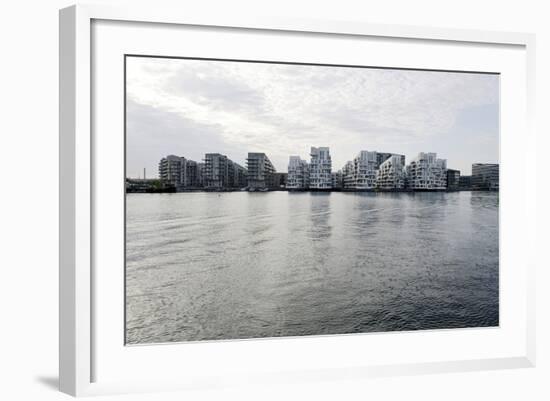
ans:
(191, 107)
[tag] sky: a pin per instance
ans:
(192, 107)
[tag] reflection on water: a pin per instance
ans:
(205, 266)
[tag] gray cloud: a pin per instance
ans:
(215, 91)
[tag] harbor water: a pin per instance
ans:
(235, 265)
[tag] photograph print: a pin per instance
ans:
(269, 199)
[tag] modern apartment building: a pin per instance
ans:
(320, 169)
(485, 176)
(453, 180)
(365, 165)
(237, 175)
(179, 172)
(170, 168)
(200, 174)
(298, 174)
(220, 173)
(337, 180)
(381, 157)
(191, 173)
(348, 180)
(369, 170)
(427, 172)
(465, 183)
(261, 172)
(391, 174)
(281, 180)
(216, 174)
(361, 173)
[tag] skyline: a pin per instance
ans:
(192, 107)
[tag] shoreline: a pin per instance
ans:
(314, 191)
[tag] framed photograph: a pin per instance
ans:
(270, 200)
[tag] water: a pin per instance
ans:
(208, 266)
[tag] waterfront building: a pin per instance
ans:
(178, 172)
(190, 174)
(361, 173)
(170, 170)
(381, 157)
(281, 179)
(485, 176)
(320, 168)
(453, 180)
(237, 175)
(338, 180)
(220, 172)
(465, 183)
(261, 172)
(200, 174)
(298, 173)
(427, 172)
(364, 170)
(391, 173)
(348, 180)
(216, 174)
(365, 165)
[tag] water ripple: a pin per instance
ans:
(207, 267)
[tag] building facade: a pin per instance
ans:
(381, 157)
(261, 172)
(237, 175)
(361, 174)
(320, 168)
(191, 173)
(465, 183)
(365, 166)
(427, 172)
(453, 180)
(338, 180)
(369, 170)
(348, 180)
(216, 174)
(485, 176)
(200, 174)
(221, 173)
(170, 170)
(178, 172)
(298, 174)
(281, 180)
(391, 174)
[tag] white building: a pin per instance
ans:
(348, 180)
(391, 174)
(365, 165)
(320, 169)
(427, 172)
(298, 173)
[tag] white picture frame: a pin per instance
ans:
(78, 317)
